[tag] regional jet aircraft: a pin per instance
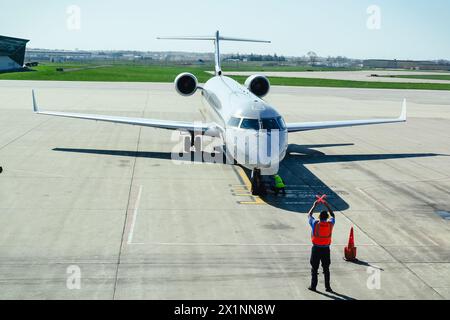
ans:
(248, 125)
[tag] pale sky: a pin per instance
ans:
(406, 29)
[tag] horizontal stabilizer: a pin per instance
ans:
(216, 38)
(213, 39)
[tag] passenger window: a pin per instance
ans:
(234, 122)
(250, 124)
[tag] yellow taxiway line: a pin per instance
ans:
(248, 185)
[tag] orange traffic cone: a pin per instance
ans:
(350, 250)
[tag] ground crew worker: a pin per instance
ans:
(279, 185)
(321, 238)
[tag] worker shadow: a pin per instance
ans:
(336, 296)
(302, 185)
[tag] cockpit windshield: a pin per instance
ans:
(270, 124)
(234, 122)
(252, 124)
(263, 124)
(281, 123)
(273, 124)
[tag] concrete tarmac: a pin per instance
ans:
(106, 202)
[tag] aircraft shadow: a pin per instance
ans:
(302, 184)
(203, 157)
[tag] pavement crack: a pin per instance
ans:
(24, 134)
(128, 203)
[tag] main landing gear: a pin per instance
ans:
(258, 187)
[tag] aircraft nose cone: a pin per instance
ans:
(272, 147)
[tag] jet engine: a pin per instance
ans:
(186, 84)
(259, 85)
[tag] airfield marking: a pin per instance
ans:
(135, 212)
(257, 201)
(248, 186)
(191, 244)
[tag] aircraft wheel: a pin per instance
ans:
(258, 188)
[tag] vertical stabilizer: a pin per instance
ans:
(217, 55)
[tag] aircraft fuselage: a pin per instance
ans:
(252, 128)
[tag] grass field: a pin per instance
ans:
(262, 68)
(123, 73)
(425, 76)
(141, 73)
(311, 82)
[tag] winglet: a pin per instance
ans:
(403, 116)
(35, 106)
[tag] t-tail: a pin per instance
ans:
(216, 38)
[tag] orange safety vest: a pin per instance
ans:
(321, 235)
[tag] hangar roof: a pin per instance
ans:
(10, 45)
(14, 48)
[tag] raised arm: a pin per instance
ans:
(329, 208)
(311, 211)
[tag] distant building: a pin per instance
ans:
(407, 64)
(12, 53)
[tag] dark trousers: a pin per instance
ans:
(278, 190)
(320, 255)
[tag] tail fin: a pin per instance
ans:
(217, 38)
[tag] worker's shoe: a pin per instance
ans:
(312, 289)
(329, 290)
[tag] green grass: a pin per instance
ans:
(309, 82)
(262, 68)
(146, 73)
(425, 76)
(123, 73)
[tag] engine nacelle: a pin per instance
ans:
(259, 85)
(186, 84)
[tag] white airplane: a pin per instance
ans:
(234, 110)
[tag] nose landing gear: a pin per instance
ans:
(258, 187)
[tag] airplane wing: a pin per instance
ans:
(307, 126)
(162, 124)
